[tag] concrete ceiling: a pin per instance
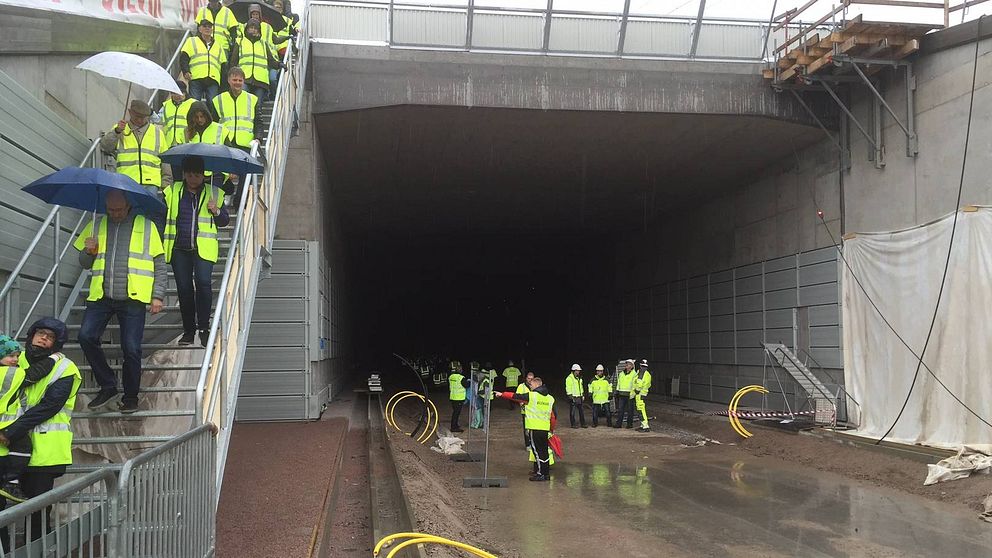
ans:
(440, 170)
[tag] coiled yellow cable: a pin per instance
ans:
(423, 538)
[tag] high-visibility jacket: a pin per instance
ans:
(142, 162)
(573, 386)
(456, 391)
(625, 381)
(285, 31)
(512, 375)
(204, 60)
(205, 233)
(642, 383)
(10, 409)
(213, 133)
(174, 121)
(253, 57)
(51, 440)
(600, 389)
(267, 37)
(537, 411)
(225, 20)
(522, 388)
(237, 116)
(144, 246)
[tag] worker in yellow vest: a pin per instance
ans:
(642, 383)
(539, 412)
(138, 145)
(44, 411)
(625, 400)
(202, 61)
(291, 29)
(574, 389)
(600, 390)
(255, 58)
(267, 34)
(174, 111)
(225, 24)
(195, 210)
(457, 390)
(124, 252)
(201, 128)
(237, 111)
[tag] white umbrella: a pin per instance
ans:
(131, 68)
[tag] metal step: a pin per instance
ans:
(147, 367)
(147, 347)
(105, 440)
(76, 415)
(154, 327)
(156, 389)
(169, 309)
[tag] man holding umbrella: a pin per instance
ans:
(125, 253)
(138, 145)
(195, 211)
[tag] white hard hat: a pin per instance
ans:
(576, 367)
(599, 368)
(630, 360)
(644, 362)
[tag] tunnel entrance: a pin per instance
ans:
(486, 234)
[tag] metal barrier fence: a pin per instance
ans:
(162, 504)
(74, 519)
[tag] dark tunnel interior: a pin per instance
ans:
(491, 234)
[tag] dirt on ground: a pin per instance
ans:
(433, 482)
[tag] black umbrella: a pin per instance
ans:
(270, 15)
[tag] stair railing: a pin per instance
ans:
(813, 381)
(54, 220)
(254, 230)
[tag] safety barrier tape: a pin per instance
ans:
(762, 414)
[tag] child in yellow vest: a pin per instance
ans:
(17, 456)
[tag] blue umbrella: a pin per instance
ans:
(217, 158)
(86, 189)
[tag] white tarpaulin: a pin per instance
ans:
(901, 271)
(171, 14)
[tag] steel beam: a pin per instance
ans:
(622, 38)
(819, 122)
(695, 29)
(548, 12)
(469, 15)
(854, 120)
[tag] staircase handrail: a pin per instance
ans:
(54, 216)
(254, 231)
(813, 380)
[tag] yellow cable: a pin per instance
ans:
(431, 410)
(423, 538)
(735, 422)
(389, 403)
(428, 431)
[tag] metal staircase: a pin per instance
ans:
(150, 481)
(824, 402)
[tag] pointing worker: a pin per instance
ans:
(539, 406)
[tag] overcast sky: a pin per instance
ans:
(751, 9)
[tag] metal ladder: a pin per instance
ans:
(825, 404)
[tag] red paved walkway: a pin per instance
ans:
(275, 484)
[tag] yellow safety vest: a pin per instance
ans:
(642, 385)
(142, 162)
(237, 116)
(573, 386)
(225, 19)
(51, 440)
(213, 133)
(537, 411)
(205, 235)
(625, 381)
(456, 391)
(253, 57)
(600, 390)
(145, 245)
(266, 36)
(10, 408)
(284, 32)
(512, 374)
(522, 388)
(175, 120)
(204, 61)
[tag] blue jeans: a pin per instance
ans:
(192, 274)
(204, 89)
(131, 317)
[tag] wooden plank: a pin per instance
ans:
(784, 63)
(830, 40)
(768, 73)
(805, 60)
(819, 64)
(790, 73)
(909, 48)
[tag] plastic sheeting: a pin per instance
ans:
(901, 271)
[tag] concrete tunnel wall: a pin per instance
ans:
(755, 218)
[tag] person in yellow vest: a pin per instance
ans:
(15, 458)
(138, 145)
(268, 35)
(44, 412)
(255, 59)
(201, 128)
(511, 376)
(457, 389)
(625, 400)
(225, 24)
(124, 251)
(291, 29)
(203, 61)
(524, 387)
(600, 391)
(237, 111)
(194, 213)
(539, 412)
(574, 389)
(174, 111)
(642, 383)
